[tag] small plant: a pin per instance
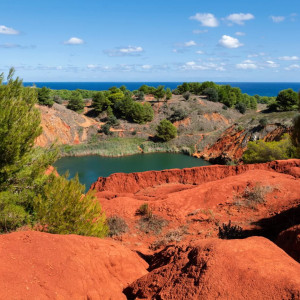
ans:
(116, 225)
(186, 95)
(263, 122)
(175, 235)
(228, 231)
(144, 210)
(106, 129)
(152, 223)
(256, 195)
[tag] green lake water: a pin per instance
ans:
(89, 168)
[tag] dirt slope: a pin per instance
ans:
(253, 268)
(36, 265)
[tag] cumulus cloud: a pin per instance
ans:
(206, 19)
(8, 30)
(125, 51)
(277, 19)
(238, 33)
(74, 41)
(200, 52)
(287, 58)
(246, 66)
(292, 67)
(190, 44)
(229, 42)
(239, 18)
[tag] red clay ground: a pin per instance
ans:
(35, 265)
(197, 201)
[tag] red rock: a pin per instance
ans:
(289, 241)
(253, 268)
(35, 265)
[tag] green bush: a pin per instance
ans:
(62, 208)
(260, 151)
(166, 130)
(44, 97)
(76, 102)
(287, 100)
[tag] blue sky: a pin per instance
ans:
(157, 40)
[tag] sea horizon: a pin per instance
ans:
(249, 87)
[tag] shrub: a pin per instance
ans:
(260, 151)
(144, 210)
(287, 100)
(186, 95)
(44, 97)
(256, 195)
(62, 208)
(211, 93)
(113, 121)
(105, 128)
(116, 225)
(175, 235)
(263, 122)
(152, 223)
(166, 130)
(178, 114)
(76, 101)
(228, 231)
(241, 107)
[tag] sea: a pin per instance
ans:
(251, 88)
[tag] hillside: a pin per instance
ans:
(205, 129)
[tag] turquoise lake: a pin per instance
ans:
(89, 168)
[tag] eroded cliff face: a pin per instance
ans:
(233, 142)
(63, 126)
(133, 182)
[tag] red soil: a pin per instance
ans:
(36, 265)
(200, 198)
(289, 241)
(253, 268)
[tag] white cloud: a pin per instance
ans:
(8, 30)
(277, 19)
(238, 33)
(191, 65)
(91, 66)
(125, 51)
(289, 58)
(246, 66)
(239, 18)
(74, 41)
(190, 44)
(272, 64)
(131, 49)
(206, 19)
(199, 52)
(292, 67)
(146, 67)
(229, 42)
(197, 31)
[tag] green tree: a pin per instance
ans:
(166, 130)
(287, 100)
(168, 94)
(100, 102)
(44, 97)
(160, 92)
(62, 208)
(27, 194)
(76, 102)
(211, 93)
